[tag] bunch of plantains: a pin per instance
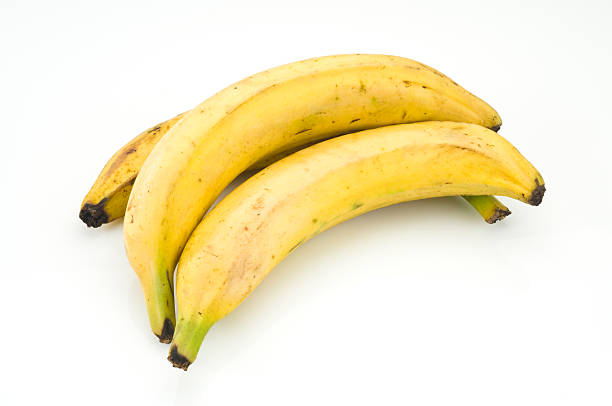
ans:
(369, 131)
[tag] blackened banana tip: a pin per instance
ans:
(499, 214)
(94, 215)
(167, 332)
(537, 195)
(178, 360)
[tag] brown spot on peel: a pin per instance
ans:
(362, 87)
(169, 279)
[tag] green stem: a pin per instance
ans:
(491, 209)
(187, 341)
(160, 303)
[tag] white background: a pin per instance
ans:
(421, 303)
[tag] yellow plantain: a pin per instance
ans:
(108, 197)
(257, 118)
(264, 219)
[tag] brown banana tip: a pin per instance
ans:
(537, 195)
(499, 214)
(167, 332)
(94, 215)
(177, 359)
(495, 128)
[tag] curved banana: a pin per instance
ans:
(255, 119)
(264, 219)
(108, 197)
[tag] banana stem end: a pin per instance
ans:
(498, 214)
(177, 359)
(491, 209)
(167, 332)
(537, 195)
(94, 215)
(187, 341)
